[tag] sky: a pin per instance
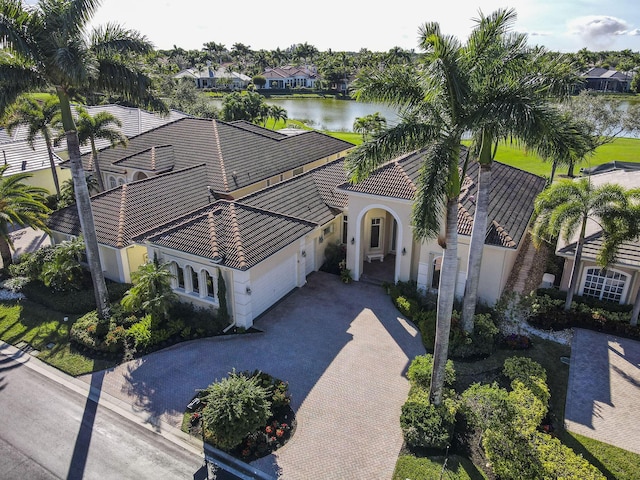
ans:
(349, 25)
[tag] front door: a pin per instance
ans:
(375, 242)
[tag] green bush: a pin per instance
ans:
(278, 390)
(559, 461)
(140, 332)
(407, 306)
(426, 425)
(96, 334)
(530, 373)
(30, 264)
(485, 406)
(235, 407)
(419, 372)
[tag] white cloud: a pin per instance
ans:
(634, 32)
(598, 30)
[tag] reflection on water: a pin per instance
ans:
(338, 115)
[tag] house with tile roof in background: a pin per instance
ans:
(258, 207)
(606, 80)
(21, 157)
(219, 78)
(290, 77)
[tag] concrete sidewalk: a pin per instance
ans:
(604, 389)
(344, 350)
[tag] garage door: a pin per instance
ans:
(273, 285)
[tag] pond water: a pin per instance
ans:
(337, 115)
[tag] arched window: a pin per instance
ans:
(209, 280)
(179, 276)
(112, 182)
(195, 284)
(436, 268)
(120, 181)
(609, 285)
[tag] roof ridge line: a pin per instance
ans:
(121, 217)
(235, 228)
(223, 169)
(213, 242)
(153, 158)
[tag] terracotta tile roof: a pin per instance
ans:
(311, 196)
(628, 253)
(230, 233)
(126, 211)
(512, 194)
(235, 155)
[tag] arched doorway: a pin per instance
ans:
(378, 250)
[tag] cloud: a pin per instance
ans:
(635, 32)
(598, 30)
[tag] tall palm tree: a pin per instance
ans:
(565, 207)
(151, 291)
(49, 46)
(39, 117)
(621, 225)
(512, 89)
(21, 205)
(98, 126)
(432, 99)
(277, 113)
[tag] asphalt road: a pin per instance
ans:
(48, 431)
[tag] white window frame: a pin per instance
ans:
(591, 281)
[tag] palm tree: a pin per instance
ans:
(95, 127)
(432, 99)
(151, 291)
(369, 124)
(512, 86)
(277, 113)
(621, 225)
(21, 205)
(564, 208)
(49, 46)
(39, 117)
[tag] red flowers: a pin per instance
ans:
(268, 429)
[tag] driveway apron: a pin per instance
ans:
(344, 349)
(604, 389)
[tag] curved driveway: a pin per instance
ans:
(344, 350)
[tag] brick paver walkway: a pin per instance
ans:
(344, 350)
(604, 389)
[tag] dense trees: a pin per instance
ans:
(51, 47)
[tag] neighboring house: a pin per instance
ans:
(220, 77)
(17, 153)
(620, 282)
(606, 80)
(290, 77)
(259, 208)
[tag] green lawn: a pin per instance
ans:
(430, 468)
(624, 149)
(26, 321)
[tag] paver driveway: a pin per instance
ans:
(604, 388)
(344, 350)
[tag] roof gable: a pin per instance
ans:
(230, 233)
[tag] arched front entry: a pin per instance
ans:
(139, 176)
(378, 237)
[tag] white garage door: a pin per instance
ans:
(273, 285)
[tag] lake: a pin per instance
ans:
(336, 115)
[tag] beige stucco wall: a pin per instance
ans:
(361, 209)
(43, 178)
(133, 257)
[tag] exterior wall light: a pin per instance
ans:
(248, 290)
(304, 253)
(353, 240)
(404, 251)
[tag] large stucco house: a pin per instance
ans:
(259, 208)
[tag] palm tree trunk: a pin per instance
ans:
(476, 247)
(636, 310)
(554, 166)
(446, 294)
(85, 213)
(573, 283)
(96, 165)
(52, 162)
(5, 252)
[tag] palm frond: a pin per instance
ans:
(113, 39)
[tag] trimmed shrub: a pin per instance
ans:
(485, 406)
(531, 374)
(419, 372)
(31, 264)
(277, 389)
(235, 407)
(426, 425)
(559, 461)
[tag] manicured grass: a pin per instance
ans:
(623, 149)
(430, 468)
(615, 463)
(31, 323)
